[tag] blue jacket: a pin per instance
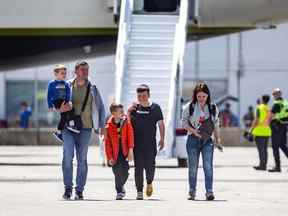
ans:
(24, 118)
(57, 90)
(98, 109)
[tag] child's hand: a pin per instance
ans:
(130, 155)
(111, 162)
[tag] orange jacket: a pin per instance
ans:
(112, 141)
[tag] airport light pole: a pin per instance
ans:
(228, 57)
(36, 108)
(240, 71)
(197, 57)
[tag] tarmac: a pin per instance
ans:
(31, 184)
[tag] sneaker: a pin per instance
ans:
(149, 190)
(191, 196)
(67, 194)
(275, 169)
(58, 136)
(73, 129)
(120, 196)
(139, 196)
(210, 196)
(79, 196)
(259, 168)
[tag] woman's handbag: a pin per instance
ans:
(206, 129)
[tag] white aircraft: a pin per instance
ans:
(70, 24)
(151, 37)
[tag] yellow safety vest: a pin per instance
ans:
(262, 128)
(283, 109)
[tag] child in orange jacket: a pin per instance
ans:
(119, 144)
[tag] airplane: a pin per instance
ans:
(35, 28)
(144, 40)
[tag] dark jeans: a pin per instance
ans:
(194, 147)
(279, 141)
(144, 160)
(121, 172)
(262, 147)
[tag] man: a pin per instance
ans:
(25, 115)
(145, 116)
(279, 128)
(88, 106)
(228, 119)
(249, 118)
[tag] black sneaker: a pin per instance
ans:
(79, 195)
(275, 169)
(191, 196)
(67, 194)
(259, 168)
(139, 196)
(58, 136)
(210, 196)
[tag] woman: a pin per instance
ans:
(200, 119)
(262, 132)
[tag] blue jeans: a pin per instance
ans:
(80, 143)
(194, 147)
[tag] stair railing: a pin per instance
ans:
(177, 73)
(121, 57)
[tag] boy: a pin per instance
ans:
(145, 117)
(119, 144)
(59, 93)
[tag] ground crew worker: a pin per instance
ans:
(262, 131)
(279, 128)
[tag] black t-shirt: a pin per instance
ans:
(144, 121)
(119, 126)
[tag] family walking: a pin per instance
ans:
(128, 136)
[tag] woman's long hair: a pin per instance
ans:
(201, 87)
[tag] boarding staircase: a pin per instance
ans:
(150, 51)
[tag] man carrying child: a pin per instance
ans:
(89, 109)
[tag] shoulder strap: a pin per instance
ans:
(212, 109)
(86, 97)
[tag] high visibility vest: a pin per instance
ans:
(262, 128)
(283, 109)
